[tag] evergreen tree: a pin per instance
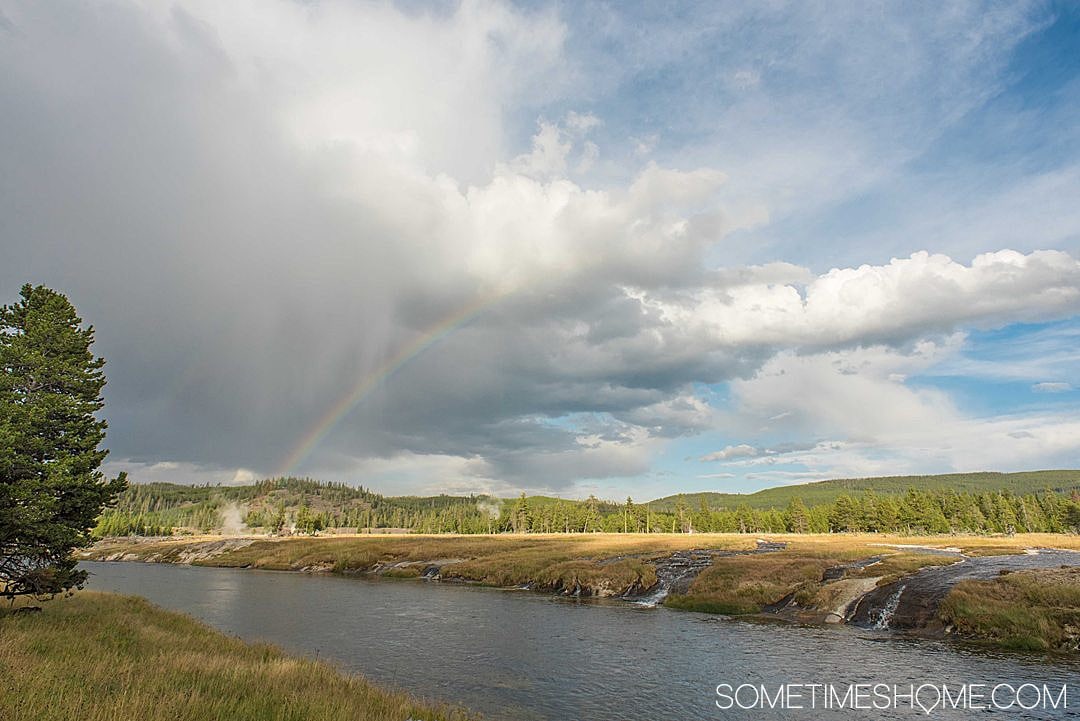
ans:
(680, 514)
(51, 488)
(521, 515)
(798, 519)
(592, 512)
(308, 522)
(1072, 516)
(845, 514)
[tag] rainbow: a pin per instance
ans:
(371, 380)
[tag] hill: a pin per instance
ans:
(822, 492)
(299, 504)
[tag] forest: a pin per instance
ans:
(286, 506)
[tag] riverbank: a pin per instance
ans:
(588, 564)
(100, 657)
(1027, 610)
(803, 578)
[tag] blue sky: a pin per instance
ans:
(644, 249)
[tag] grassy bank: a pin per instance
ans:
(102, 657)
(1027, 610)
(740, 585)
(748, 584)
(598, 564)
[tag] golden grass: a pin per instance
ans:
(747, 584)
(103, 657)
(599, 564)
(900, 564)
(556, 561)
(1030, 610)
(744, 584)
(969, 544)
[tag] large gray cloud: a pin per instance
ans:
(260, 204)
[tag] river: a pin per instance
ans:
(521, 655)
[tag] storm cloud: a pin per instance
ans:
(259, 205)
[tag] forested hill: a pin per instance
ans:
(977, 503)
(821, 492)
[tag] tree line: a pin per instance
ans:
(304, 506)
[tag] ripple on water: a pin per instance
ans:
(527, 656)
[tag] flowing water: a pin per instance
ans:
(885, 614)
(522, 655)
(674, 575)
(912, 602)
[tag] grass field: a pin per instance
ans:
(1027, 610)
(103, 657)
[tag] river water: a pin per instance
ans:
(521, 655)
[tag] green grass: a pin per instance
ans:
(821, 492)
(103, 657)
(1026, 610)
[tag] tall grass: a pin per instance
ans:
(745, 584)
(1027, 610)
(103, 657)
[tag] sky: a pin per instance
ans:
(561, 248)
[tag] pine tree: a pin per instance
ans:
(592, 512)
(844, 515)
(51, 488)
(521, 515)
(798, 519)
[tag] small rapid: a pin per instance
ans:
(675, 573)
(912, 602)
(885, 615)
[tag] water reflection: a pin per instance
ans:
(515, 655)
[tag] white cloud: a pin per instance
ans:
(906, 298)
(883, 427)
(1051, 387)
(581, 123)
(178, 472)
(787, 477)
(548, 156)
(740, 451)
